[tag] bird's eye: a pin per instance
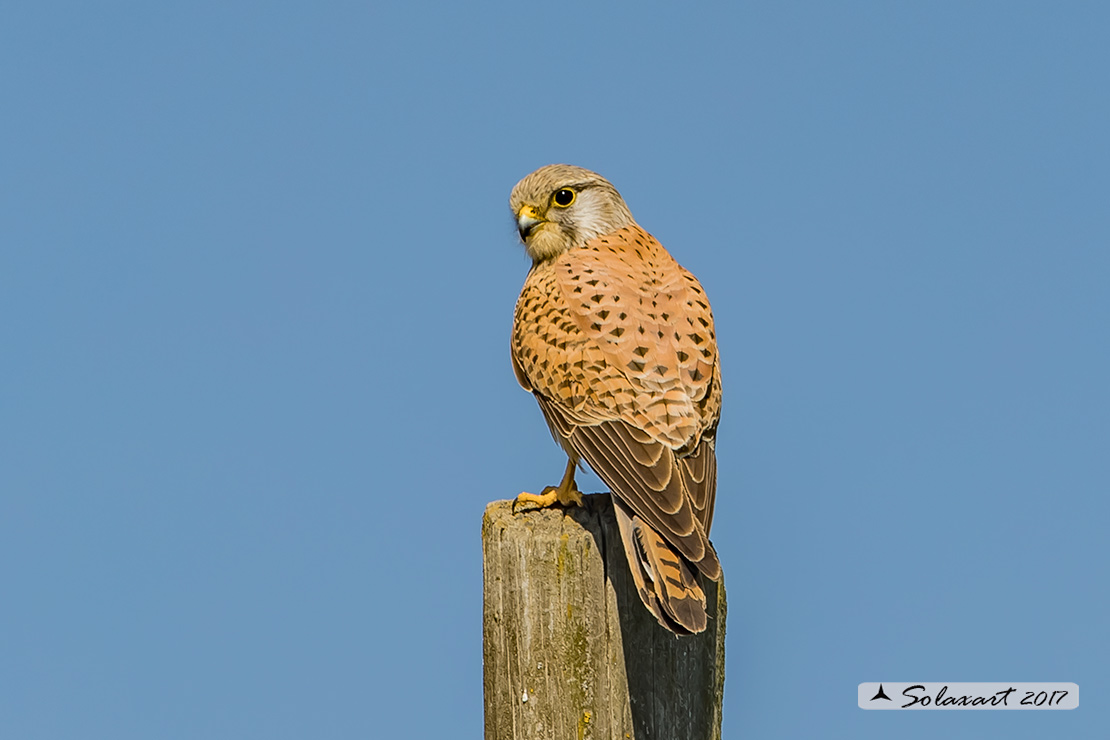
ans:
(563, 198)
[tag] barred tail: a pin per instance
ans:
(667, 583)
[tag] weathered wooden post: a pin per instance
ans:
(570, 653)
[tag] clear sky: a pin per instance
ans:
(257, 274)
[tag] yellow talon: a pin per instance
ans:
(564, 494)
(550, 496)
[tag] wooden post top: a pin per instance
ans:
(569, 650)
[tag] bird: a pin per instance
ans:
(616, 341)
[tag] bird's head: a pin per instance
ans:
(561, 207)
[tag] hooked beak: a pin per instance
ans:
(527, 219)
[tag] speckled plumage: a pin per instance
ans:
(616, 341)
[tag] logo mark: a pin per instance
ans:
(881, 694)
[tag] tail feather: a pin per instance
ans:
(666, 582)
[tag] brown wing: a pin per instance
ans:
(655, 483)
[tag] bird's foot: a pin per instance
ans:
(551, 495)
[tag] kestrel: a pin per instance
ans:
(615, 340)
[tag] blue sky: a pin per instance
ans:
(257, 276)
